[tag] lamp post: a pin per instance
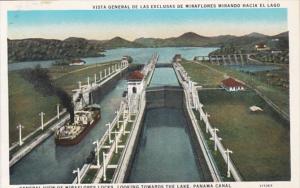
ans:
(104, 165)
(57, 110)
(215, 137)
(88, 81)
(227, 151)
(42, 119)
(77, 171)
(97, 152)
(20, 127)
(117, 142)
(124, 127)
(206, 122)
(109, 131)
(117, 114)
(79, 85)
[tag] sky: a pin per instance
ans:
(132, 24)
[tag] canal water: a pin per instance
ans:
(164, 76)
(140, 56)
(165, 152)
(254, 68)
(49, 163)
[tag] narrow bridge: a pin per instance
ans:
(229, 59)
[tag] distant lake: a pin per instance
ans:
(139, 55)
(254, 68)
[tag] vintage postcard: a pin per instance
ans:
(149, 94)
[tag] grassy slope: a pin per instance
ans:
(25, 103)
(203, 75)
(260, 142)
(70, 81)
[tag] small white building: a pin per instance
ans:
(261, 47)
(231, 84)
(135, 83)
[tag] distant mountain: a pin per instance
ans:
(256, 35)
(118, 42)
(150, 42)
(282, 35)
(186, 39)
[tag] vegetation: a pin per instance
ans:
(260, 141)
(203, 75)
(25, 104)
(35, 49)
(278, 58)
(88, 178)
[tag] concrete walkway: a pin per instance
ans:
(28, 147)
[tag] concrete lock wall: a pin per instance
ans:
(167, 96)
(196, 145)
(98, 94)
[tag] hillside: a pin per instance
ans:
(45, 49)
(118, 42)
(248, 42)
(34, 49)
